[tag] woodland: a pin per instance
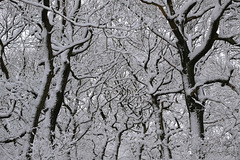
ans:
(119, 79)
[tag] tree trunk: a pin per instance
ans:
(2, 65)
(46, 82)
(57, 97)
(196, 112)
(41, 99)
(158, 109)
(118, 141)
(140, 148)
(194, 106)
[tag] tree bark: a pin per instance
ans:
(194, 106)
(158, 109)
(41, 99)
(57, 97)
(2, 65)
(46, 82)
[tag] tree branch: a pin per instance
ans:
(157, 5)
(211, 35)
(13, 139)
(222, 80)
(199, 14)
(228, 39)
(9, 112)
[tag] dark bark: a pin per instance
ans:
(118, 140)
(46, 82)
(158, 109)
(41, 99)
(188, 77)
(59, 95)
(141, 148)
(194, 106)
(2, 65)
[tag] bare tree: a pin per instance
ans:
(193, 43)
(119, 79)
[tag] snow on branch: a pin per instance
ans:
(83, 46)
(187, 7)
(153, 88)
(75, 44)
(210, 38)
(96, 75)
(155, 31)
(13, 139)
(157, 5)
(10, 110)
(14, 35)
(169, 91)
(199, 13)
(79, 24)
(228, 38)
(224, 81)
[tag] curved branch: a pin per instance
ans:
(13, 139)
(9, 112)
(2, 65)
(199, 14)
(157, 5)
(228, 39)
(211, 35)
(222, 80)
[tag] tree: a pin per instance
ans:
(193, 44)
(119, 79)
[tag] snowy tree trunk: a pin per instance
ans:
(2, 65)
(103, 148)
(195, 108)
(46, 81)
(118, 141)
(59, 92)
(196, 111)
(140, 148)
(158, 109)
(57, 97)
(41, 99)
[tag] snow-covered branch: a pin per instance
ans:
(73, 22)
(199, 14)
(161, 7)
(75, 45)
(10, 110)
(222, 80)
(14, 138)
(228, 38)
(155, 31)
(14, 35)
(169, 91)
(186, 8)
(210, 38)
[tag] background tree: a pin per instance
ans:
(119, 79)
(193, 45)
